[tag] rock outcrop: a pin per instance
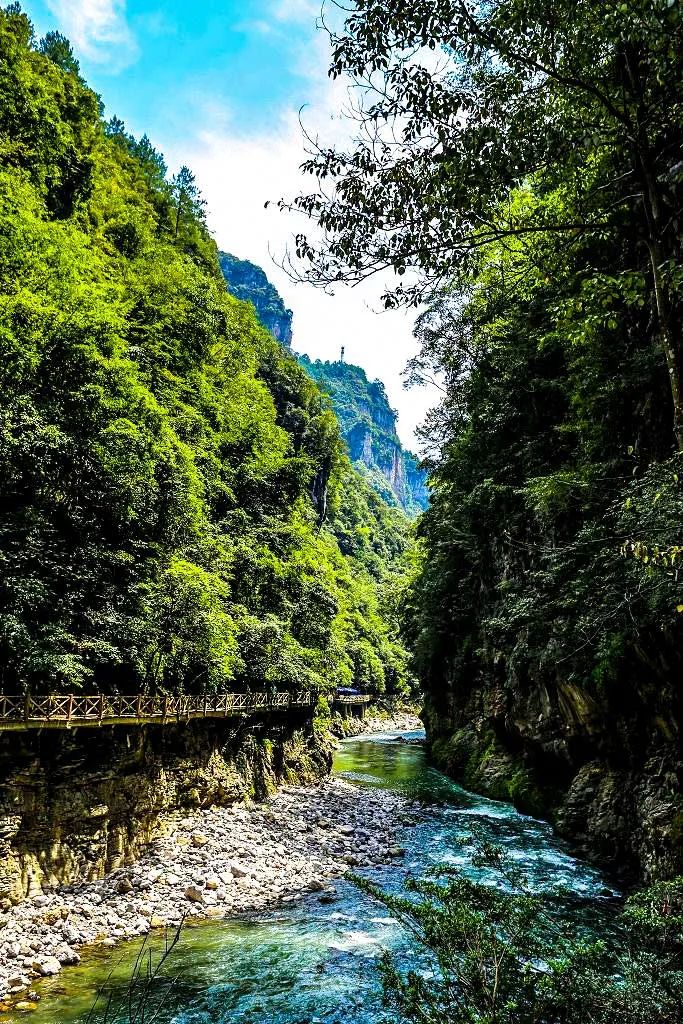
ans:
(368, 425)
(248, 282)
(607, 769)
(77, 804)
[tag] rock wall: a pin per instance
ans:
(77, 804)
(368, 425)
(606, 769)
(248, 282)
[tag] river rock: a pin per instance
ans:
(67, 956)
(17, 982)
(194, 894)
(47, 966)
(238, 870)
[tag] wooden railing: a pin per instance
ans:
(64, 711)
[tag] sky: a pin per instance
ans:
(218, 85)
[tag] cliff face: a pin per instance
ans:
(368, 425)
(248, 282)
(606, 769)
(76, 804)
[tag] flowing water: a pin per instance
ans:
(312, 963)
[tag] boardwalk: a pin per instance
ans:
(66, 711)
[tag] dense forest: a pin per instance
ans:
(519, 168)
(177, 512)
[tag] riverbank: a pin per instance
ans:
(376, 720)
(213, 863)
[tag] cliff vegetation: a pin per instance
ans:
(248, 282)
(168, 471)
(368, 425)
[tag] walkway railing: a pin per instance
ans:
(64, 711)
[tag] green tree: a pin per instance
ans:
(187, 198)
(167, 470)
(58, 48)
(461, 104)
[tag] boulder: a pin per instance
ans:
(47, 966)
(238, 870)
(67, 956)
(194, 894)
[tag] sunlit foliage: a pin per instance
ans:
(165, 466)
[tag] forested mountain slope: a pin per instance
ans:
(167, 469)
(368, 425)
(542, 227)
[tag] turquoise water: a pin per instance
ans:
(313, 963)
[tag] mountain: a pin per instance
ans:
(176, 510)
(368, 425)
(248, 282)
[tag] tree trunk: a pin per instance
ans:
(668, 340)
(652, 203)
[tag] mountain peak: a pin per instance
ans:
(368, 425)
(248, 282)
(367, 420)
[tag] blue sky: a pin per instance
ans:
(155, 62)
(218, 85)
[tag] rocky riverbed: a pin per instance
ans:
(212, 863)
(374, 722)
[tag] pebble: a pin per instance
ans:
(212, 863)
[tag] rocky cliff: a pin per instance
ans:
(368, 425)
(367, 421)
(77, 804)
(248, 282)
(607, 770)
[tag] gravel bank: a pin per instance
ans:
(215, 863)
(398, 721)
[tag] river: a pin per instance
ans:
(314, 963)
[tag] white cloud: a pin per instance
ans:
(295, 10)
(238, 173)
(98, 30)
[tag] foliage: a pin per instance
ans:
(165, 466)
(517, 164)
(550, 473)
(460, 105)
(500, 954)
